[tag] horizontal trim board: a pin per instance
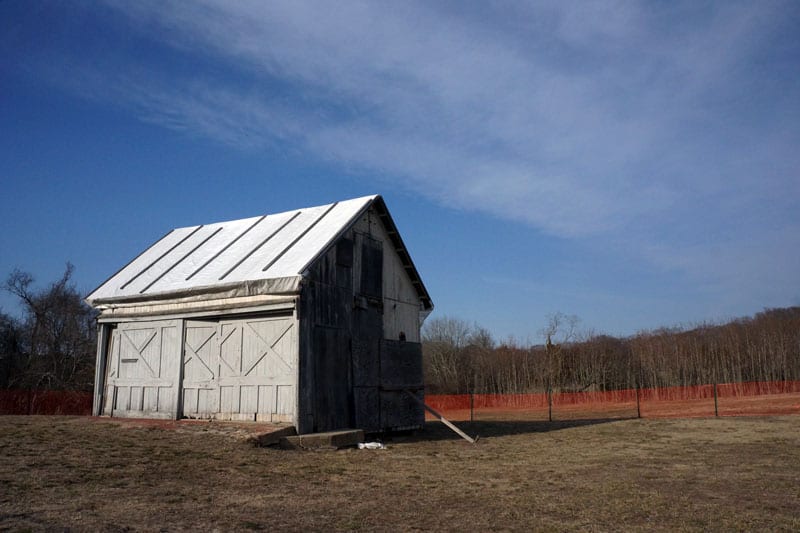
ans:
(279, 309)
(143, 414)
(153, 382)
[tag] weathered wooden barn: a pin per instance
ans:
(310, 317)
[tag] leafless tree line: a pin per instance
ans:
(52, 345)
(460, 357)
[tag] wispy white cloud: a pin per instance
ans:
(613, 121)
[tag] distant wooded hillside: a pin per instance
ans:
(460, 357)
(52, 346)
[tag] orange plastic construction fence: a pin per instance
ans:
(727, 399)
(22, 402)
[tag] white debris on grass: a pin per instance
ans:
(371, 446)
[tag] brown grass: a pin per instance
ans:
(698, 474)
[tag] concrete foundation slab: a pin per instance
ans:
(329, 440)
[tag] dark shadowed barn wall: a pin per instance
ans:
(359, 342)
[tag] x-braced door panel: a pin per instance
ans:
(241, 369)
(201, 370)
(258, 369)
(142, 372)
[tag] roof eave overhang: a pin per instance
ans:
(274, 286)
(402, 252)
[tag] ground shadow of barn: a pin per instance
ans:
(435, 430)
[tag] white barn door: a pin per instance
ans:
(142, 371)
(258, 369)
(242, 369)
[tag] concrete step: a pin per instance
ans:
(272, 438)
(332, 440)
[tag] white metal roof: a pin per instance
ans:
(270, 247)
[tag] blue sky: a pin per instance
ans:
(634, 164)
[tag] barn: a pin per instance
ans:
(310, 317)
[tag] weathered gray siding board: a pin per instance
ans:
(333, 406)
(371, 274)
(178, 405)
(367, 408)
(400, 367)
(401, 370)
(366, 348)
(306, 373)
(399, 411)
(110, 372)
(401, 321)
(325, 315)
(401, 300)
(103, 339)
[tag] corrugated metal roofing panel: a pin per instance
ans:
(145, 261)
(247, 243)
(257, 248)
(316, 239)
(200, 250)
(253, 266)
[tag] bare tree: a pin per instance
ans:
(52, 345)
(9, 349)
(454, 352)
(561, 328)
(460, 357)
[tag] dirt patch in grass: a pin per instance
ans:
(698, 474)
(245, 431)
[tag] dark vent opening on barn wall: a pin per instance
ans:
(310, 317)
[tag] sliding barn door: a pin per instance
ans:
(142, 372)
(258, 369)
(242, 369)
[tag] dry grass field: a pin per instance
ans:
(727, 474)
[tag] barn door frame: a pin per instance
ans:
(100, 367)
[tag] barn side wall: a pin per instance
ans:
(359, 336)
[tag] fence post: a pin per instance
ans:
(471, 406)
(716, 406)
(638, 408)
(549, 402)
